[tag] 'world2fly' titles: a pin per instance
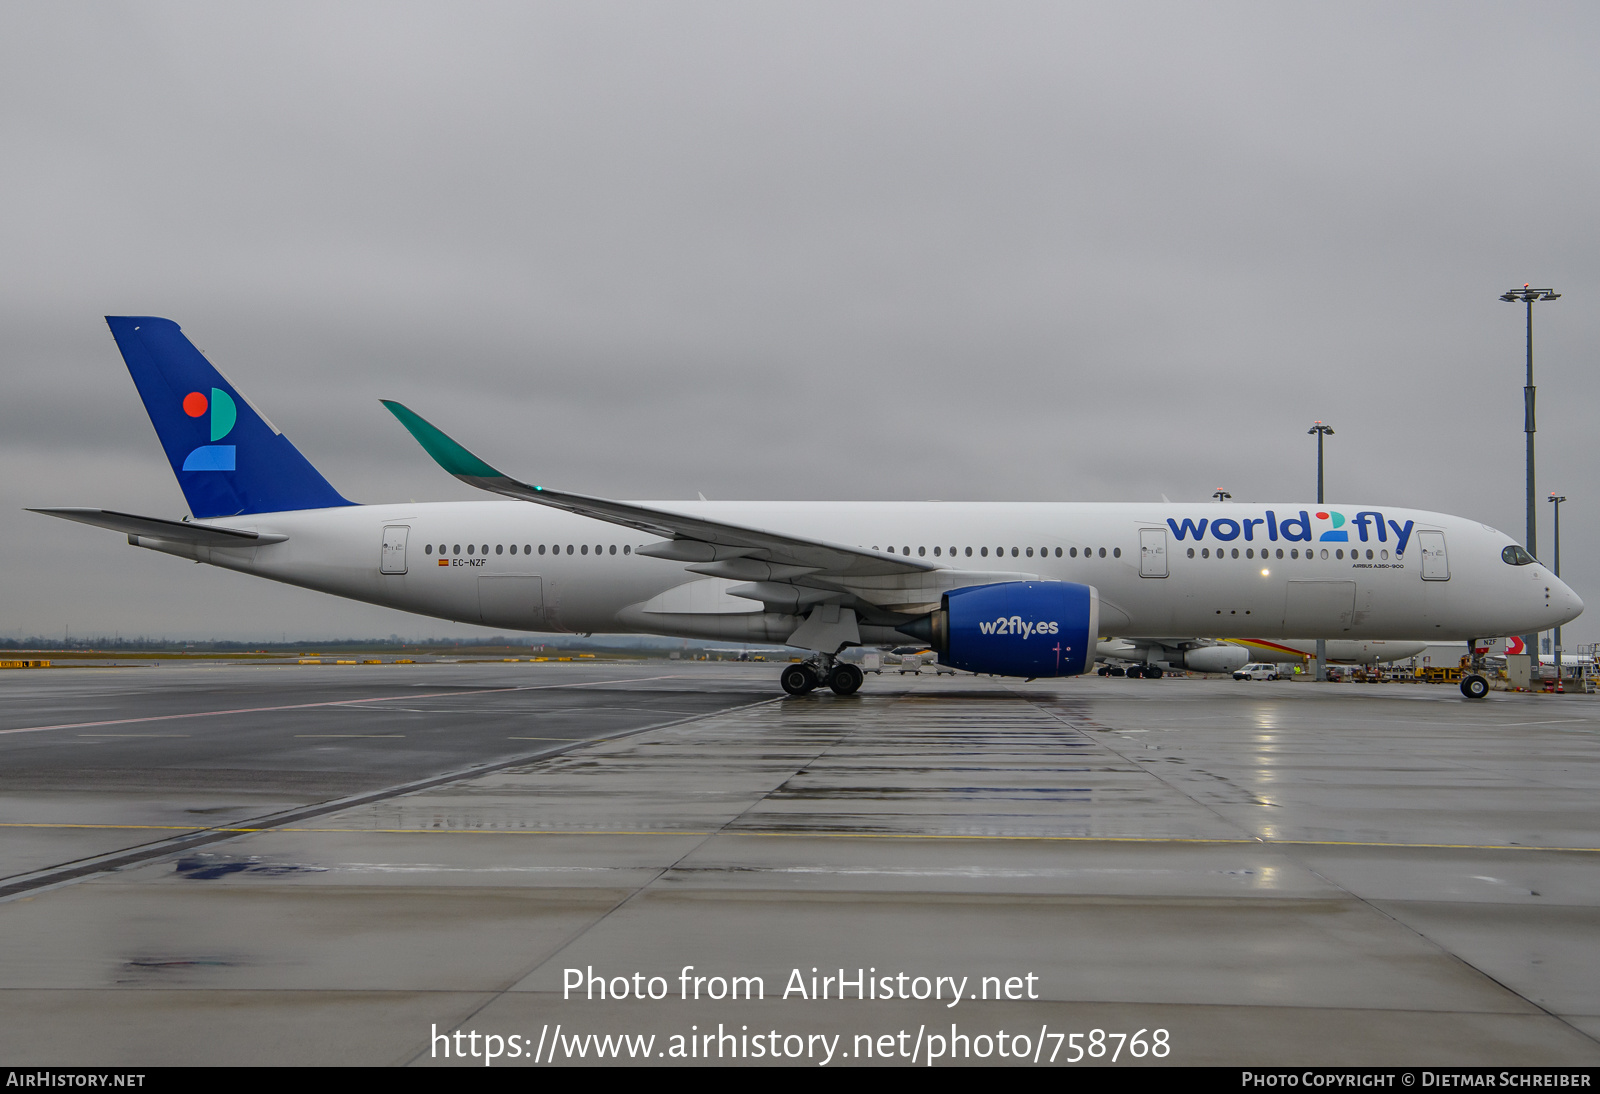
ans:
(1324, 527)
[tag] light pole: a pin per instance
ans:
(1221, 495)
(1321, 430)
(1556, 500)
(1527, 296)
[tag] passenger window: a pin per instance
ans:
(569, 548)
(905, 550)
(1324, 552)
(1383, 554)
(1236, 552)
(1191, 552)
(626, 549)
(1116, 552)
(513, 548)
(1369, 552)
(1339, 553)
(936, 552)
(427, 549)
(1058, 552)
(1280, 552)
(969, 552)
(1073, 552)
(1205, 552)
(500, 548)
(1294, 552)
(1249, 552)
(1102, 552)
(584, 549)
(1014, 552)
(1030, 552)
(922, 552)
(984, 551)
(613, 549)
(457, 550)
(541, 548)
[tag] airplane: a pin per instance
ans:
(1341, 651)
(1003, 588)
(1152, 658)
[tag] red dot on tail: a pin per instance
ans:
(1322, 516)
(194, 404)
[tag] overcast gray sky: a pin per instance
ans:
(855, 250)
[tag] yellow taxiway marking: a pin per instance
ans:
(1187, 840)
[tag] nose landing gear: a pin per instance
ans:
(1474, 686)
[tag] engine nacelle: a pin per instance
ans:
(1017, 628)
(1216, 658)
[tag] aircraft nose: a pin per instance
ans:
(1571, 605)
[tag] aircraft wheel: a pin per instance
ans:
(1474, 686)
(1151, 672)
(1104, 670)
(798, 679)
(846, 680)
(1115, 671)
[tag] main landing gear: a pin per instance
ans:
(807, 676)
(1474, 686)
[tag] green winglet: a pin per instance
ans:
(445, 452)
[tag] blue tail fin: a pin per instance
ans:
(228, 459)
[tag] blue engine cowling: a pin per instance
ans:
(1019, 628)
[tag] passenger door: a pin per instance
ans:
(1152, 552)
(394, 549)
(1435, 563)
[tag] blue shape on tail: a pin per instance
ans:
(257, 470)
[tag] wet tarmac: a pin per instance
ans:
(1268, 873)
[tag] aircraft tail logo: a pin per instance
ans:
(228, 458)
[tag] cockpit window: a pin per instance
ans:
(1516, 556)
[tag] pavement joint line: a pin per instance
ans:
(764, 834)
(330, 703)
(65, 873)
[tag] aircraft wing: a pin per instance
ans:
(175, 531)
(694, 539)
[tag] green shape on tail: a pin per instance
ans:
(445, 452)
(223, 414)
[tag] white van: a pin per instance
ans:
(1256, 670)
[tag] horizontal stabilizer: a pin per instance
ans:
(174, 531)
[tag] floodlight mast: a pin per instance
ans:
(1321, 430)
(1527, 295)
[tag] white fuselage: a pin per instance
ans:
(583, 575)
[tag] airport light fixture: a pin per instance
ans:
(1528, 296)
(1320, 429)
(1556, 500)
(1221, 495)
